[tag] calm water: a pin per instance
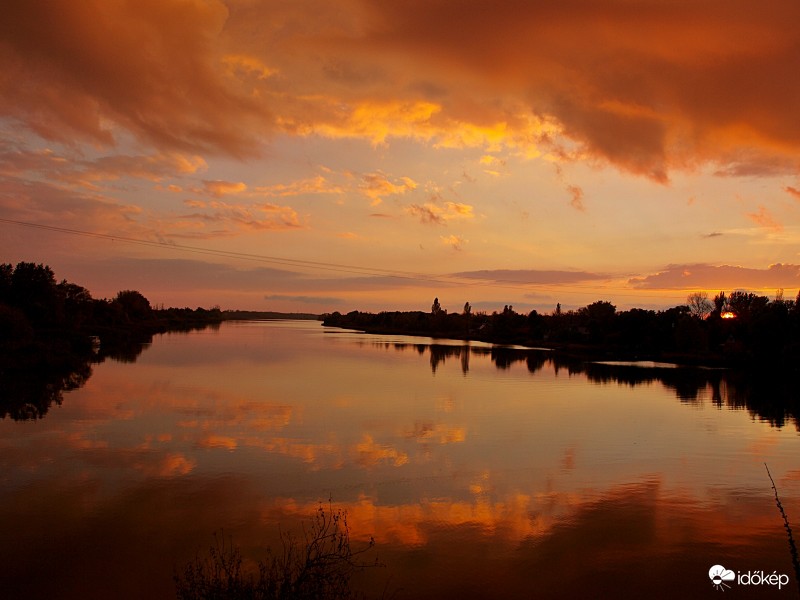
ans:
(479, 473)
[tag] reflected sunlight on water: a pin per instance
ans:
(479, 471)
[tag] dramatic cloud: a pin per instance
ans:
(151, 68)
(649, 88)
(516, 125)
(725, 277)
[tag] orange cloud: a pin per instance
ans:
(577, 198)
(313, 185)
(377, 186)
(231, 218)
(431, 212)
(650, 88)
(763, 218)
(64, 168)
(456, 242)
(151, 68)
(224, 188)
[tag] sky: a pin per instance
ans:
(313, 156)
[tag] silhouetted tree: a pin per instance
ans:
(720, 303)
(598, 318)
(699, 305)
(6, 271)
(745, 305)
(33, 290)
(134, 305)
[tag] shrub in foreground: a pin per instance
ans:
(319, 566)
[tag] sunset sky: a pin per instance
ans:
(308, 155)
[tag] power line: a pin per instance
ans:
(333, 267)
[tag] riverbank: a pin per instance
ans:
(765, 342)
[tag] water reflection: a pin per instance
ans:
(479, 471)
(27, 393)
(29, 387)
(767, 396)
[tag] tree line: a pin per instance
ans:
(51, 333)
(740, 328)
(36, 309)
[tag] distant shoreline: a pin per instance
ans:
(759, 339)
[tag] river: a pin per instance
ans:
(479, 472)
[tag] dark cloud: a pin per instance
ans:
(72, 70)
(649, 87)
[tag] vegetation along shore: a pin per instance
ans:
(739, 329)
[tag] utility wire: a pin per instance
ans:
(332, 267)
